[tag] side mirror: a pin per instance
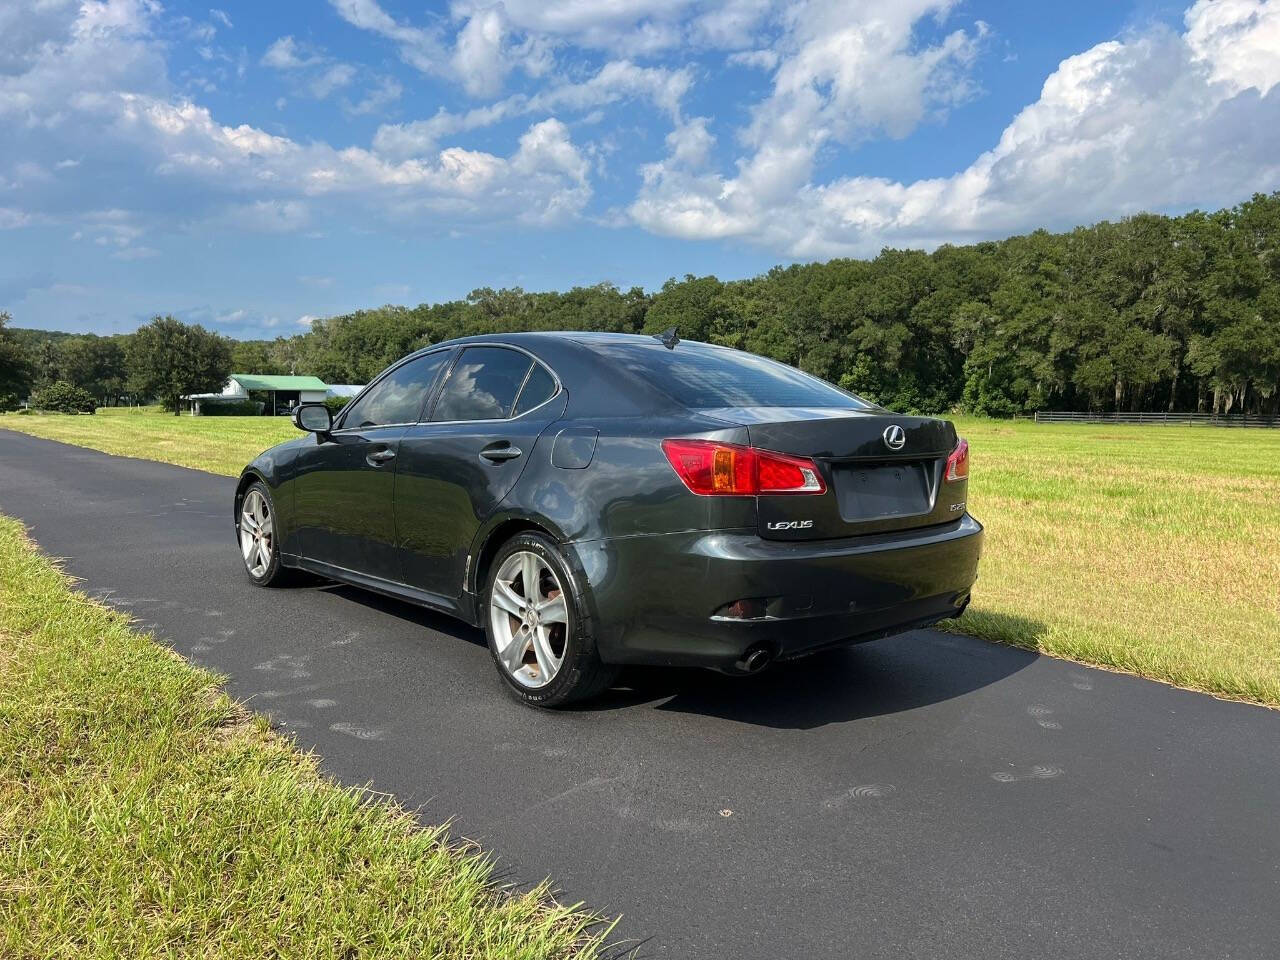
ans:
(313, 417)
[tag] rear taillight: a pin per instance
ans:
(958, 462)
(712, 469)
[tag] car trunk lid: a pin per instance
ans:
(883, 471)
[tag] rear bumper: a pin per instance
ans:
(655, 597)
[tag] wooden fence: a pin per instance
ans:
(1170, 419)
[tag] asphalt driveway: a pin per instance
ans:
(922, 796)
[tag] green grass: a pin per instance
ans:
(216, 444)
(1153, 550)
(143, 813)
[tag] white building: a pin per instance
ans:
(283, 393)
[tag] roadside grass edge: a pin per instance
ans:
(144, 812)
(1114, 655)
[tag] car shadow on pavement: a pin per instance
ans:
(403, 610)
(836, 686)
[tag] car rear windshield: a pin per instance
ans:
(704, 377)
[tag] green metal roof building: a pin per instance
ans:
(254, 381)
(278, 394)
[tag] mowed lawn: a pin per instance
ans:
(216, 444)
(1154, 550)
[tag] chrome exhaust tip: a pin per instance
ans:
(755, 660)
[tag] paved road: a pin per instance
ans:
(923, 796)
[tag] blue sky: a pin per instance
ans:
(251, 166)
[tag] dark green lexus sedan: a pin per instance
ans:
(593, 500)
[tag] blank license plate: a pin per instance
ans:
(882, 491)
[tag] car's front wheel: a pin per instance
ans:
(257, 534)
(538, 626)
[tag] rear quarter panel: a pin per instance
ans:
(628, 489)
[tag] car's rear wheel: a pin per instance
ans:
(256, 530)
(538, 627)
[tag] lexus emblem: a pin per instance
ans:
(895, 438)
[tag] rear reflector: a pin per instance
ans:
(741, 610)
(712, 469)
(958, 462)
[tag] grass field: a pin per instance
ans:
(144, 814)
(217, 444)
(1153, 550)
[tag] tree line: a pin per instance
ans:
(163, 360)
(1148, 313)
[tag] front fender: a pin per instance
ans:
(275, 469)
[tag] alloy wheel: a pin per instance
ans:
(530, 619)
(256, 533)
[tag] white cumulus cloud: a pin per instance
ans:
(285, 54)
(99, 88)
(384, 92)
(479, 57)
(1157, 120)
(615, 82)
(333, 78)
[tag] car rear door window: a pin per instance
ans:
(482, 385)
(397, 397)
(538, 389)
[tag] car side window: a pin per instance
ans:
(482, 385)
(538, 389)
(397, 397)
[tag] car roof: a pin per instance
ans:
(581, 339)
(527, 336)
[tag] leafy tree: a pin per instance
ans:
(255, 356)
(693, 306)
(48, 363)
(287, 354)
(16, 370)
(355, 347)
(95, 363)
(168, 359)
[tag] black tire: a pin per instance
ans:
(275, 574)
(582, 674)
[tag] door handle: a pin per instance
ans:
(500, 452)
(380, 457)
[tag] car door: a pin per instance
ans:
(456, 466)
(343, 499)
